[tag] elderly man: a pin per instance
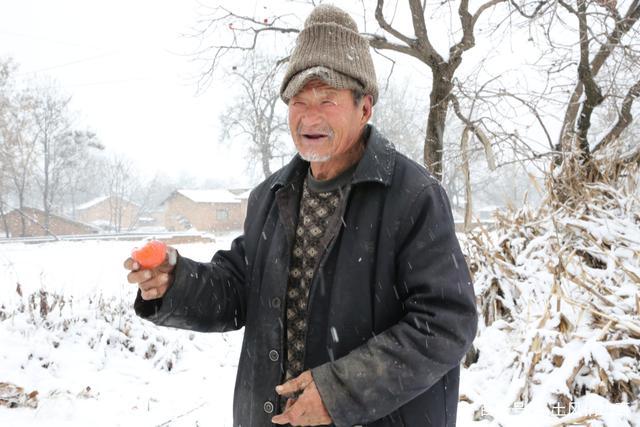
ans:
(349, 280)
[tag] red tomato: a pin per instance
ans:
(150, 255)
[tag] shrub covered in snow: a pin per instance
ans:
(558, 292)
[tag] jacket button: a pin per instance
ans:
(268, 407)
(274, 356)
(275, 302)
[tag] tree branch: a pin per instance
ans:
(468, 23)
(484, 7)
(428, 53)
(534, 111)
(624, 119)
(380, 42)
(593, 93)
(569, 8)
(417, 17)
(476, 130)
(388, 27)
(393, 66)
(255, 27)
(622, 26)
(525, 14)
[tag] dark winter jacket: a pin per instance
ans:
(391, 306)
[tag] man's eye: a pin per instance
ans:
(328, 102)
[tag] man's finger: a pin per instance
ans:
(139, 276)
(281, 419)
(153, 293)
(294, 385)
(296, 414)
(292, 415)
(130, 264)
(155, 287)
(159, 281)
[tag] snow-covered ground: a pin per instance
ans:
(68, 331)
(91, 360)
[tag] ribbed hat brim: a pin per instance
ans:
(331, 77)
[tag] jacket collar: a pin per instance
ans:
(376, 164)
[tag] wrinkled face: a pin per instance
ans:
(325, 123)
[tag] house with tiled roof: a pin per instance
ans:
(205, 210)
(109, 213)
(11, 224)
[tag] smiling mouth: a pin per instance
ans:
(314, 136)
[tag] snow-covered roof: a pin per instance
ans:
(98, 200)
(93, 202)
(210, 196)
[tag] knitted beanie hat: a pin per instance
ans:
(330, 48)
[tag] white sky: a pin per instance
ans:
(125, 65)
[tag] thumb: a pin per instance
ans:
(169, 262)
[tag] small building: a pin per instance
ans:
(151, 221)
(205, 210)
(110, 213)
(34, 220)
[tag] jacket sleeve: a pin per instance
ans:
(205, 297)
(438, 326)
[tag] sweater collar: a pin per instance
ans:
(376, 164)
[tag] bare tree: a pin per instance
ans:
(593, 56)
(257, 115)
(38, 149)
(18, 148)
(614, 28)
(80, 174)
(61, 150)
(6, 69)
(56, 148)
(122, 183)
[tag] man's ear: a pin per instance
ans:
(366, 109)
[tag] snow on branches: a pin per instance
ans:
(560, 313)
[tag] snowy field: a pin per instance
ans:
(68, 331)
(91, 360)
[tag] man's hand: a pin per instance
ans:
(307, 409)
(153, 283)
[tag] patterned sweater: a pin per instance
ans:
(318, 222)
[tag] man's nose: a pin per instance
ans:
(312, 117)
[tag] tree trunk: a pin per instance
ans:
(4, 220)
(468, 209)
(45, 190)
(23, 221)
(567, 131)
(265, 159)
(433, 146)
(45, 201)
(118, 215)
